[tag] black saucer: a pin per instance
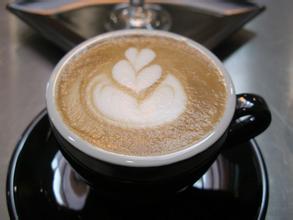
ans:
(42, 185)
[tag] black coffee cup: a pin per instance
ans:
(245, 116)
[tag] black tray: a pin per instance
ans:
(69, 27)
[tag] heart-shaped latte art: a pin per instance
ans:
(139, 59)
(164, 104)
(133, 73)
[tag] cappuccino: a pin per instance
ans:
(141, 95)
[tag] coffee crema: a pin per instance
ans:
(141, 95)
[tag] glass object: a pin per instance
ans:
(138, 15)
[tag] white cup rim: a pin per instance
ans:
(128, 160)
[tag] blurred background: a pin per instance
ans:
(259, 58)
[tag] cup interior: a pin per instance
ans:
(128, 160)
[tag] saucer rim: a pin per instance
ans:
(10, 199)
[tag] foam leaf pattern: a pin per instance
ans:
(164, 105)
(126, 72)
(139, 59)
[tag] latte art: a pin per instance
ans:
(141, 95)
(134, 72)
(164, 104)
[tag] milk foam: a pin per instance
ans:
(141, 95)
(162, 105)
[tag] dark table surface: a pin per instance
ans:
(259, 59)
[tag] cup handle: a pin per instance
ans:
(252, 116)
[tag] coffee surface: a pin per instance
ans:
(141, 95)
